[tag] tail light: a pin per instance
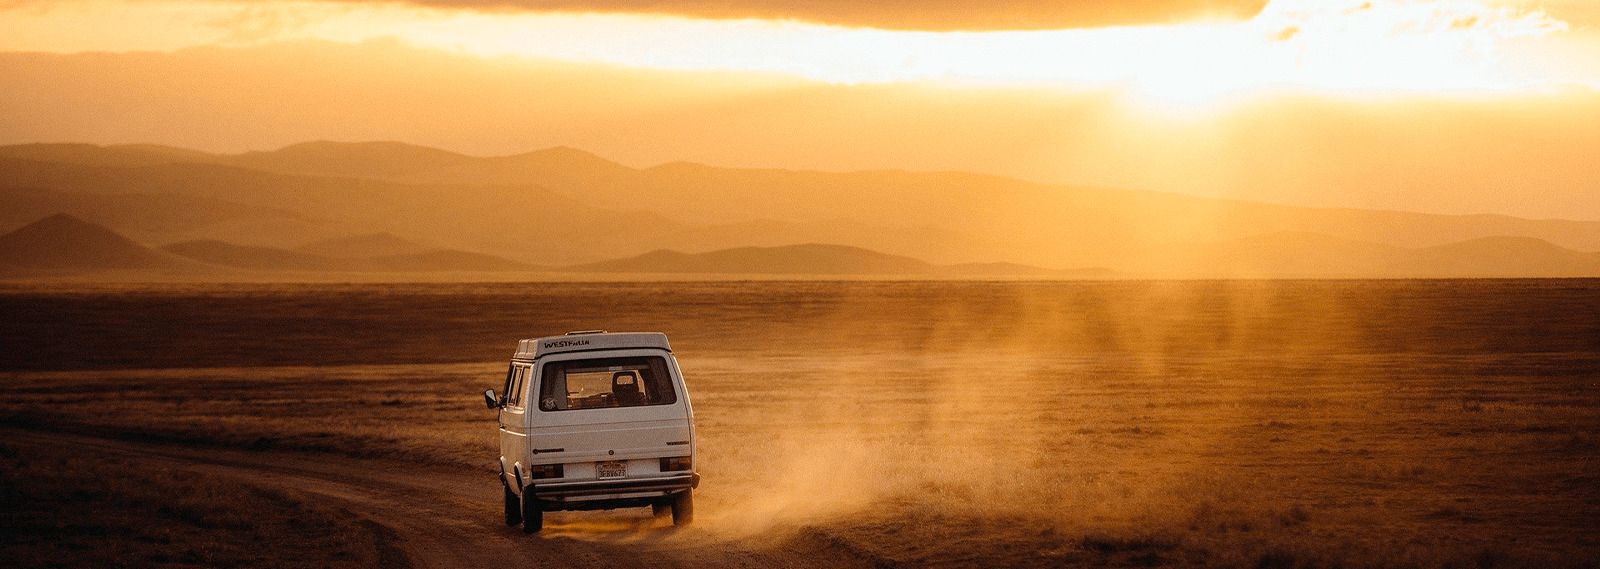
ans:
(675, 463)
(540, 471)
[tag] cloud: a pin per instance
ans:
(1412, 45)
(938, 15)
(254, 24)
(1419, 18)
(1580, 13)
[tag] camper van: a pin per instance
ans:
(595, 421)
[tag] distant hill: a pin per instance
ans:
(363, 246)
(562, 206)
(390, 161)
(117, 155)
(1310, 255)
(519, 222)
(153, 217)
(814, 259)
(226, 254)
(792, 259)
(63, 242)
(557, 167)
(1502, 257)
(445, 260)
(381, 160)
(273, 259)
(1024, 271)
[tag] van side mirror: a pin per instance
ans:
(489, 400)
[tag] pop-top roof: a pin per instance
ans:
(589, 340)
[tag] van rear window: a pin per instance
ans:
(606, 382)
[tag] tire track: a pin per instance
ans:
(442, 518)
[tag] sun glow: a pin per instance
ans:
(1344, 47)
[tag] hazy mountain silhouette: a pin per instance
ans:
(63, 242)
(273, 259)
(1017, 213)
(1043, 224)
(226, 254)
(943, 245)
(792, 259)
(520, 222)
(445, 260)
(556, 167)
(158, 217)
(401, 162)
(115, 155)
(391, 161)
(1018, 270)
(812, 259)
(563, 206)
(1502, 257)
(363, 246)
(379, 160)
(1300, 254)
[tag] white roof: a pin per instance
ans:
(589, 341)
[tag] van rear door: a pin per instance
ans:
(613, 407)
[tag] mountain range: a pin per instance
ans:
(61, 244)
(326, 204)
(64, 243)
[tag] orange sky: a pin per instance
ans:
(1442, 105)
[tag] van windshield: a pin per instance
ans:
(605, 382)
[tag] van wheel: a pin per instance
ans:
(532, 514)
(513, 508)
(683, 508)
(661, 509)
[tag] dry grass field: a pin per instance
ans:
(61, 512)
(1249, 424)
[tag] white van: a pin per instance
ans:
(595, 421)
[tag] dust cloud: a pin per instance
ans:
(1109, 405)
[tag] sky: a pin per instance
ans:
(1454, 106)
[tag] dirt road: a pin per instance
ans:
(436, 517)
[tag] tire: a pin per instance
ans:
(532, 514)
(683, 508)
(661, 509)
(513, 508)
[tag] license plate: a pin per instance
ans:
(613, 469)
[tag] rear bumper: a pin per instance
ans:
(580, 489)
